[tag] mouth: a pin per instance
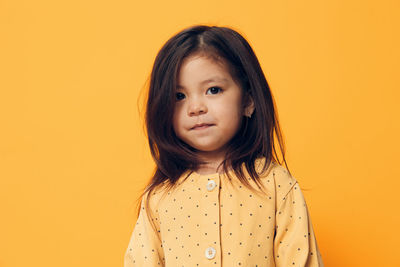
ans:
(201, 126)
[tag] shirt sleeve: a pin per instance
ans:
(145, 246)
(295, 242)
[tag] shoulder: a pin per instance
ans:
(274, 169)
(276, 176)
(164, 191)
(153, 197)
(283, 179)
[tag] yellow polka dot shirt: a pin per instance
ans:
(208, 221)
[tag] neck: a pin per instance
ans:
(212, 162)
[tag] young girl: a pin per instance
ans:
(219, 196)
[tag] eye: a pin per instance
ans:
(180, 96)
(214, 90)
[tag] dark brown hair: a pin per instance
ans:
(255, 138)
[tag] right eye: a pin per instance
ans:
(180, 96)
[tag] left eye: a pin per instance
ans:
(213, 90)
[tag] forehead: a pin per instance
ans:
(202, 68)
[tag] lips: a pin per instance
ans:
(201, 126)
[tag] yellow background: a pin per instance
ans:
(73, 155)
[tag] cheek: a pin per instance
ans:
(231, 113)
(234, 122)
(177, 120)
(175, 123)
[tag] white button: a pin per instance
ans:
(210, 253)
(211, 185)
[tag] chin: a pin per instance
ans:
(206, 148)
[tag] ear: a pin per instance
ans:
(249, 108)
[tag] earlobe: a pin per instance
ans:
(249, 109)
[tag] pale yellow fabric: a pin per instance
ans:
(227, 226)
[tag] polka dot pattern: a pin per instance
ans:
(229, 225)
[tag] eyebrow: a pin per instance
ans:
(212, 79)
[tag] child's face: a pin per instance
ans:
(207, 113)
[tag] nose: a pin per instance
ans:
(197, 107)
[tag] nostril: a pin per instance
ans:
(195, 111)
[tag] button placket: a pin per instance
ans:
(212, 220)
